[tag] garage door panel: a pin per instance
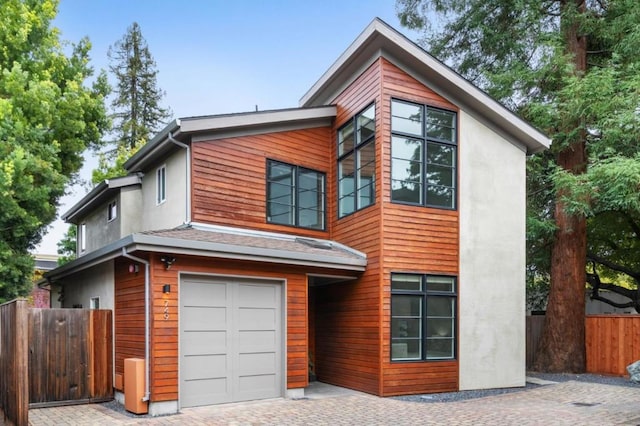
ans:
(257, 296)
(257, 341)
(204, 342)
(256, 363)
(205, 392)
(205, 367)
(257, 319)
(205, 293)
(204, 318)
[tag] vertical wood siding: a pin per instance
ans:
(229, 175)
(414, 239)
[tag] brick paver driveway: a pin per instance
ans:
(569, 403)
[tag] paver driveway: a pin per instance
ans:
(569, 403)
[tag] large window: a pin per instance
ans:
(423, 317)
(423, 151)
(295, 195)
(357, 162)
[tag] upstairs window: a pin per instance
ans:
(83, 237)
(94, 303)
(161, 185)
(423, 317)
(424, 155)
(295, 195)
(112, 211)
(357, 162)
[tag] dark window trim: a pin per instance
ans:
(356, 148)
(297, 170)
(112, 214)
(424, 293)
(425, 140)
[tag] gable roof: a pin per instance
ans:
(381, 40)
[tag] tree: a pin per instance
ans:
(137, 112)
(569, 67)
(47, 119)
(68, 245)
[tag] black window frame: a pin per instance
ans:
(425, 141)
(424, 293)
(358, 146)
(296, 191)
(112, 211)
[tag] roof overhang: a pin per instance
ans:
(98, 195)
(380, 40)
(355, 262)
(229, 125)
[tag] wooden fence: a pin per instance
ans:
(53, 357)
(612, 342)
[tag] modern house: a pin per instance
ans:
(374, 236)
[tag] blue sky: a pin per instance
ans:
(217, 57)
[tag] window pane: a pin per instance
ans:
(440, 327)
(346, 188)
(310, 218)
(406, 327)
(441, 154)
(440, 348)
(406, 118)
(440, 284)
(406, 349)
(440, 307)
(441, 124)
(345, 139)
(440, 196)
(406, 191)
(366, 123)
(406, 149)
(280, 205)
(406, 306)
(440, 175)
(406, 282)
(366, 175)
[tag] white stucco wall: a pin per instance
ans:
(96, 281)
(172, 212)
(100, 231)
(492, 259)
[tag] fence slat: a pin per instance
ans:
(14, 366)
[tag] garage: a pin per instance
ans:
(230, 340)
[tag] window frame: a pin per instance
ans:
(296, 170)
(94, 302)
(161, 184)
(83, 237)
(355, 150)
(425, 141)
(112, 211)
(424, 293)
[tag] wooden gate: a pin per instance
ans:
(70, 356)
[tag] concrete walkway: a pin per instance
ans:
(568, 403)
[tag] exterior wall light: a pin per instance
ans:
(166, 289)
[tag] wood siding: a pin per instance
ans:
(612, 342)
(414, 239)
(229, 175)
(347, 332)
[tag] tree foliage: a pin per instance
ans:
(136, 108)
(571, 68)
(47, 119)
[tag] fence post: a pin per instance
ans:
(14, 361)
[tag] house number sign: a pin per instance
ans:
(166, 310)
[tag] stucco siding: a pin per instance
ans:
(492, 258)
(96, 281)
(100, 231)
(172, 212)
(131, 205)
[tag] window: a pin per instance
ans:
(423, 317)
(161, 185)
(423, 155)
(295, 195)
(94, 303)
(112, 211)
(83, 237)
(357, 162)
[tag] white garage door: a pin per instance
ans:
(230, 340)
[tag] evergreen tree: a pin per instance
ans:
(571, 68)
(47, 119)
(136, 108)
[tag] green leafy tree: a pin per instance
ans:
(67, 246)
(48, 117)
(137, 111)
(571, 68)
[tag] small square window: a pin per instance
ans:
(112, 211)
(161, 185)
(94, 303)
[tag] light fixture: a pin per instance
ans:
(168, 261)
(166, 289)
(133, 268)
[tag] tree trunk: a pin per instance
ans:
(562, 344)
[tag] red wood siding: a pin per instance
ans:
(129, 313)
(229, 175)
(414, 239)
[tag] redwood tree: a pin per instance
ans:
(570, 68)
